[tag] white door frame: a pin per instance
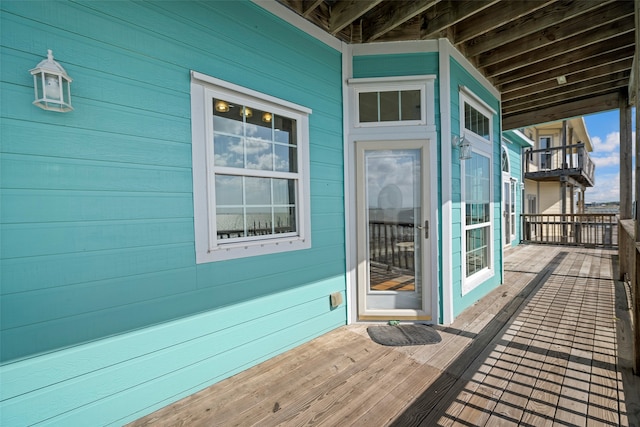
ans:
(429, 281)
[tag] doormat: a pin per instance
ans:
(402, 335)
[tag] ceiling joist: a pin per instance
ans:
(521, 47)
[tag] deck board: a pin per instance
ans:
(548, 347)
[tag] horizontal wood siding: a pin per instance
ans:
(515, 162)
(391, 65)
(104, 313)
(461, 77)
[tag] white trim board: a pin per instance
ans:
(299, 22)
(455, 54)
(400, 47)
(446, 316)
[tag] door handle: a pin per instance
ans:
(425, 228)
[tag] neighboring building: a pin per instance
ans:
(227, 187)
(558, 169)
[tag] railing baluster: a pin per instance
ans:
(581, 229)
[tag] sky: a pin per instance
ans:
(604, 130)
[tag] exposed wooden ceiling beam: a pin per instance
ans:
(409, 30)
(392, 15)
(562, 94)
(566, 110)
(344, 12)
(561, 50)
(580, 28)
(599, 53)
(554, 14)
(308, 6)
(520, 46)
(551, 83)
(450, 12)
(494, 17)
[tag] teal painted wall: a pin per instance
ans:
(515, 148)
(407, 64)
(105, 315)
(394, 65)
(515, 158)
(460, 76)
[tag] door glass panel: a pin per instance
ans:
(394, 214)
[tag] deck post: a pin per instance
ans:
(636, 285)
(625, 156)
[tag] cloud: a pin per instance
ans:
(612, 159)
(607, 189)
(611, 143)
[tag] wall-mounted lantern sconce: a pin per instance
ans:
(463, 144)
(52, 86)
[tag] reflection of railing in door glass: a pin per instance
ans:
(391, 244)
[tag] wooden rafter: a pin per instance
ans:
(391, 16)
(520, 46)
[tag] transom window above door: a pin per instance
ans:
(389, 106)
(393, 101)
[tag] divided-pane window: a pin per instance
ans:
(245, 140)
(389, 106)
(477, 216)
(505, 160)
(476, 122)
(250, 172)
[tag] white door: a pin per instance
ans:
(394, 255)
(508, 209)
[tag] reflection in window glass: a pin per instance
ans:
(230, 223)
(228, 150)
(368, 107)
(229, 190)
(247, 139)
(254, 206)
(258, 154)
(257, 191)
(476, 122)
(286, 158)
(284, 191)
(505, 160)
(410, 105)
(285, 130)
(389, 106)
(477, 213)
(477, 252)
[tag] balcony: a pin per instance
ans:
(558, 163)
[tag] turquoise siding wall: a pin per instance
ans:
(515, 159)
(408, 64)
(105, 315)
(459, 76)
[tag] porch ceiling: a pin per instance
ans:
(523, 47)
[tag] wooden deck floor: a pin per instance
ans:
(550, 347)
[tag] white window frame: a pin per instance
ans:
(514, 205)
(424, 83)
(468, 97)
(484, 147)
(208, 247)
